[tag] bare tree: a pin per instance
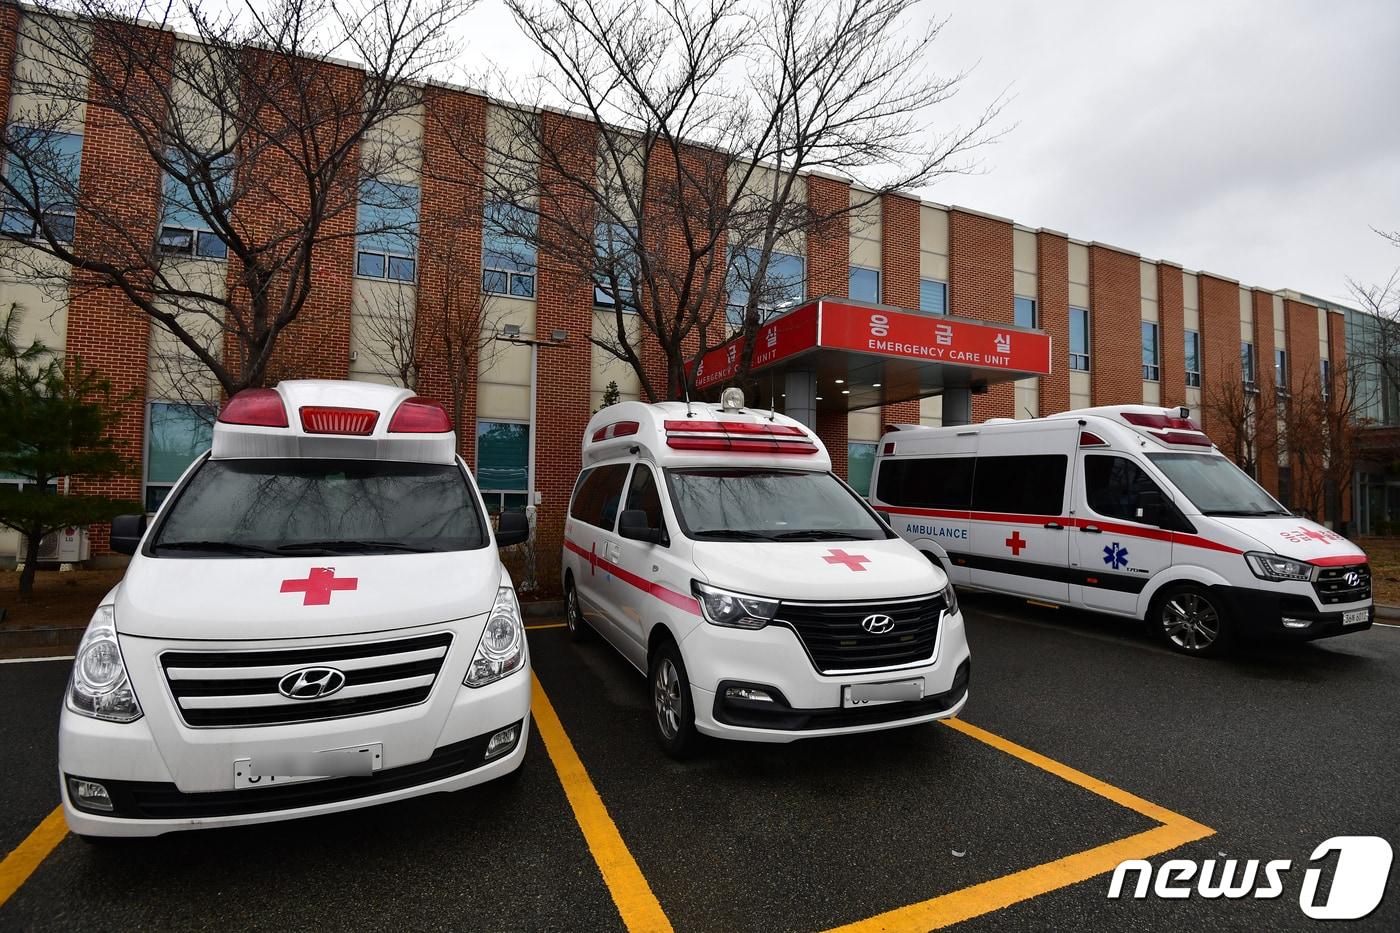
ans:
(1323, 431)
(247, 139)
(682, 185)
(1242, 416)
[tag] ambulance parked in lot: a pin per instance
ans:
(1127, 510)
(317, 620)
(716, 551)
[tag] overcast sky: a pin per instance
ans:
(1259, 140)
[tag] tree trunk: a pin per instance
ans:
(31, 564)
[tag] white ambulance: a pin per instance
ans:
(765, 600)
(316, 620)
(1126, 510)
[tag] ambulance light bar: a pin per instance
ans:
(1169, 430)
(738, 437)
(261, 408)
(419, 415)
(324, 419)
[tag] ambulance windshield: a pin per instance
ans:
(1216, 486)
(769, 505)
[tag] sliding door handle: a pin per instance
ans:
(1091, 529)
(1054, 526)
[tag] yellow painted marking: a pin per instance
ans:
(531, 628)
(628, 886)
(966, 903)
(30, 853)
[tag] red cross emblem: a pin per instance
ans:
(593, 560)
(1016, 542)
(853, 561)
(1314, 535)
(318, 586)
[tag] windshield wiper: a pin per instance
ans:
(731, 534)
(820, 534)
(225, 547)
(351, 545)
(1243, 513)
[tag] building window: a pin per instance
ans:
(615, 260)
(176, 433)
(42, 168)
(865, 284)
(1024, 313)
(508, 260)
(784, 284)
(1079, 339)
(1193, 359)
(1247, 365)
(933, 296)
(185, 205)
(503, 464)
(1326, 379)
(860, 463)
(1281, 371)
(1151, 362)
(387, 228)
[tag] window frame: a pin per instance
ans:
(512, 276)
(147, 484)
(489, 495)
(943, 289)
(1019, 301)
(879, 284)
(1193, 376)
(197, 234)
(388, 256)
(767, 310)
(64, 210)
(1281, 371)
(1079, 360)
(1152, 371)
(870, 478)
(1249, 366)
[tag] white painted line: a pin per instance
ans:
(66, 657)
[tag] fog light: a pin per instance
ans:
(89, 795)
(1296, 623)
(747, 693)
(501, 742)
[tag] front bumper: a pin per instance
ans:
(1260, 613)
(807, 703)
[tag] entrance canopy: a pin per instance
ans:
(863, 355)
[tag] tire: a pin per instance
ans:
(578, 627)
(672, 706)
(1193, 621)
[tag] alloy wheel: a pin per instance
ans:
(1190, 621)
(668, 698)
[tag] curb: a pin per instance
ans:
(555, 607)
(1389, 613)
(51, 637)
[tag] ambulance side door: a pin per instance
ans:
(1123, 531)
(592, 531)
(927, 498)
(1020, 524)
(645, 563)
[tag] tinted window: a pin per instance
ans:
(599, 492)
(1033, 485)
(322, 506)
(929, 483)
(1113, 486)
(643, 494)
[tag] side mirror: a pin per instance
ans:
(883, 516)
(632, 523)
(127, 531)
(513, 527)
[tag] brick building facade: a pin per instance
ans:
(1120, 324)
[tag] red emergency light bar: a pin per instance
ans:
(261, 408)
(616, 429)
(1169, 430)
(323, 419)
(420, 416)
(739, 437)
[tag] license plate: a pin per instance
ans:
(899, 691)
(299, 768)
(1355, 616)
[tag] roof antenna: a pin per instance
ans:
(685, 388)
(772, 398)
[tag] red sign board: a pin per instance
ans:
(777, 340)
(932, 338)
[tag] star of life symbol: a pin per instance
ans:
(1303, 535)
(943, 335)
(1115, 555)
(772, 337)
(1003, 343)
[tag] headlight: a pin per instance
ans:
(99, 687)
(734, 610)
(501, 649)
(950, 600)
(1273, 567)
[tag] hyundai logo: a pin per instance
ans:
(877, 625)
(1353, 578)
(311, 683)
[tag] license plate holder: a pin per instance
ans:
(334, 762)
(898, 691)
(1355, 616)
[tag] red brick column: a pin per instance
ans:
(1171, 317)
(1220, 350)
(829, 273)
(899, 278)
(1115, 297)
(104, 329)
(9, 40)
(1304, 357)
(1052, 277)
(564, 300)
(1266, 419)
(981, 285)
(449, 254)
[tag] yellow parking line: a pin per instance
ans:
(966, 903)
(628, 886)
(531, 628)
(30, 853)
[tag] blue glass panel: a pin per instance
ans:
(933, 296)
(865, 284)
(502, 455)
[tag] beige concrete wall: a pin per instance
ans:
(933, 243)
(1025, 252)
(864, 426)
(866, 230)
(931, 411)
(607, 367)
(1079, 388)
(505, 373)
(1079, 278)
(49, 87)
